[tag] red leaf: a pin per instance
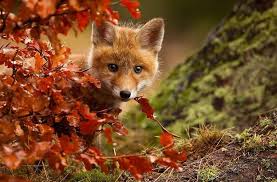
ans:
(56, 161)
(89, 127)
(71, 144)
(85, 111)
(166, 139)
(37, 151)
(73, 118)
(7, 178)
(38, 62)
(165, 161)
(108, 135)
(98, 157)
(45, 84)
(136, 165)
(83, 19)
(12, 159)
(87, 160)
(145, 107)
(175, 155)
(119, 128)
(132, 6)
(46, 132)
(45, 7)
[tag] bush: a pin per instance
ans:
(45, 109)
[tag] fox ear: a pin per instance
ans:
(103, 33)
(151, 34)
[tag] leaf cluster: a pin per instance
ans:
(47, 109)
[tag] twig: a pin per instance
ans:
(45, 172)
(119, 176)
(164, 129)
(161, 174)
(170, 173)
(197, 179)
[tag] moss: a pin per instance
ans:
(250, 141)
(253, 143)
(272, 143)
(266, 163)
(265, 122)
(208, 173)
(244, 135)
(94, 175)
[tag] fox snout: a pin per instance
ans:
(121, 89)
(125, 94)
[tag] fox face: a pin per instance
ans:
(125, 59)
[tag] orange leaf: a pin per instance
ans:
(165, 161)
(83, 19)
(7, 178)
(89, 127)
(46, 7)
(37, 151)
(145, 107)
(136, 165)
(166, 139)
(108, 135)
(71, 144)
(175, 155)
(38, 62)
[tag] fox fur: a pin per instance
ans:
(125, 59)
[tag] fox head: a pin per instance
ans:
(125, 59)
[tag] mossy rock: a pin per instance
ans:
(230, 80)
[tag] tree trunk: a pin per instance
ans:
(231, 79)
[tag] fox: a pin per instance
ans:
(124, 58)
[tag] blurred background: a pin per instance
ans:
(188, 23)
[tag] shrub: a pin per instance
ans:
(45, 109)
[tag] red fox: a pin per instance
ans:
(125, 59)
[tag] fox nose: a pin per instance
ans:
(125, 94)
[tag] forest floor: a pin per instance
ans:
(213, 155)
(220, 155)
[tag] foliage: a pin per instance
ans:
(46, 109)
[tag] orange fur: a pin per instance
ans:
(126, 47)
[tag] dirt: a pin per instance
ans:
(248, 156)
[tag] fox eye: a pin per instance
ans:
(138, 69)
(113, 67)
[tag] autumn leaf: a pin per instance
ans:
(145, 107)
(56, 160)
(108, 135)
(38, 62)
(37, 151)
(47, 108)
(119, 128)
(136, 165)
(89, 127)
(166, 139)
(132, 6)
(11, 158)
(70, 144)
(165, 161)
(83, 19)
(73, 118)
(175, 155)
(9, 178)
(45, 7)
